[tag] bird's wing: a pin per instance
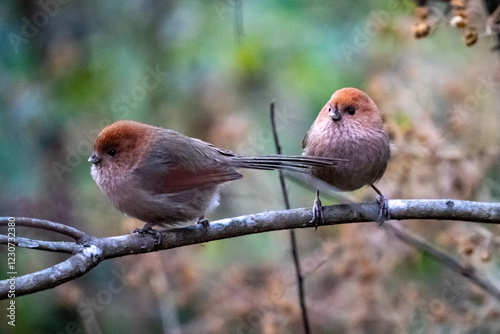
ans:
(180, 179)
(185, 164)
(172, 178)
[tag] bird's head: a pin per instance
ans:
(350, 106)
(120, 146)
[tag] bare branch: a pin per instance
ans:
(52, 246)
(442, 209)
(464, 269)
(95, 250)
(74, 267)
(47, 225)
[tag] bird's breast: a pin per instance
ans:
(367, 154)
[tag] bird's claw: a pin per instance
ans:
(318, 217)
(148, 228)
(204, 222)
(383, 214)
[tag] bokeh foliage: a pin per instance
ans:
(68, 68)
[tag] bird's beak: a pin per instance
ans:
(94, 159)
(335, 114)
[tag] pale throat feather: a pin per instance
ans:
(111, 179)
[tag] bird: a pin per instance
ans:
(349, 127)
(167, 179)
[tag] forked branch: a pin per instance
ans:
(88, 252)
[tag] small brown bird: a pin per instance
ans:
(349, 127)
(165, 178)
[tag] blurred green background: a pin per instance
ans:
(210, 69)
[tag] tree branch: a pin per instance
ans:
(49, 226)
(52, 246)
(95, 250)
(464, 269)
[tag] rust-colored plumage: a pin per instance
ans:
(349, 127)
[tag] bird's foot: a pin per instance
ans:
(317, 217)
(383, 202)
(204, 222)
(148, 228)
(383, 214)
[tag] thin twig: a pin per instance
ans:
(464, 269)
(46, 225)
(96, 250)
(293, 238)
(238, 20)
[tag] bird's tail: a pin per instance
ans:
(295, 163)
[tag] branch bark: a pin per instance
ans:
(49, 226)
(92, 251)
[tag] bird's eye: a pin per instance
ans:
(351, 110)
(329, 109)
(112, 153)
